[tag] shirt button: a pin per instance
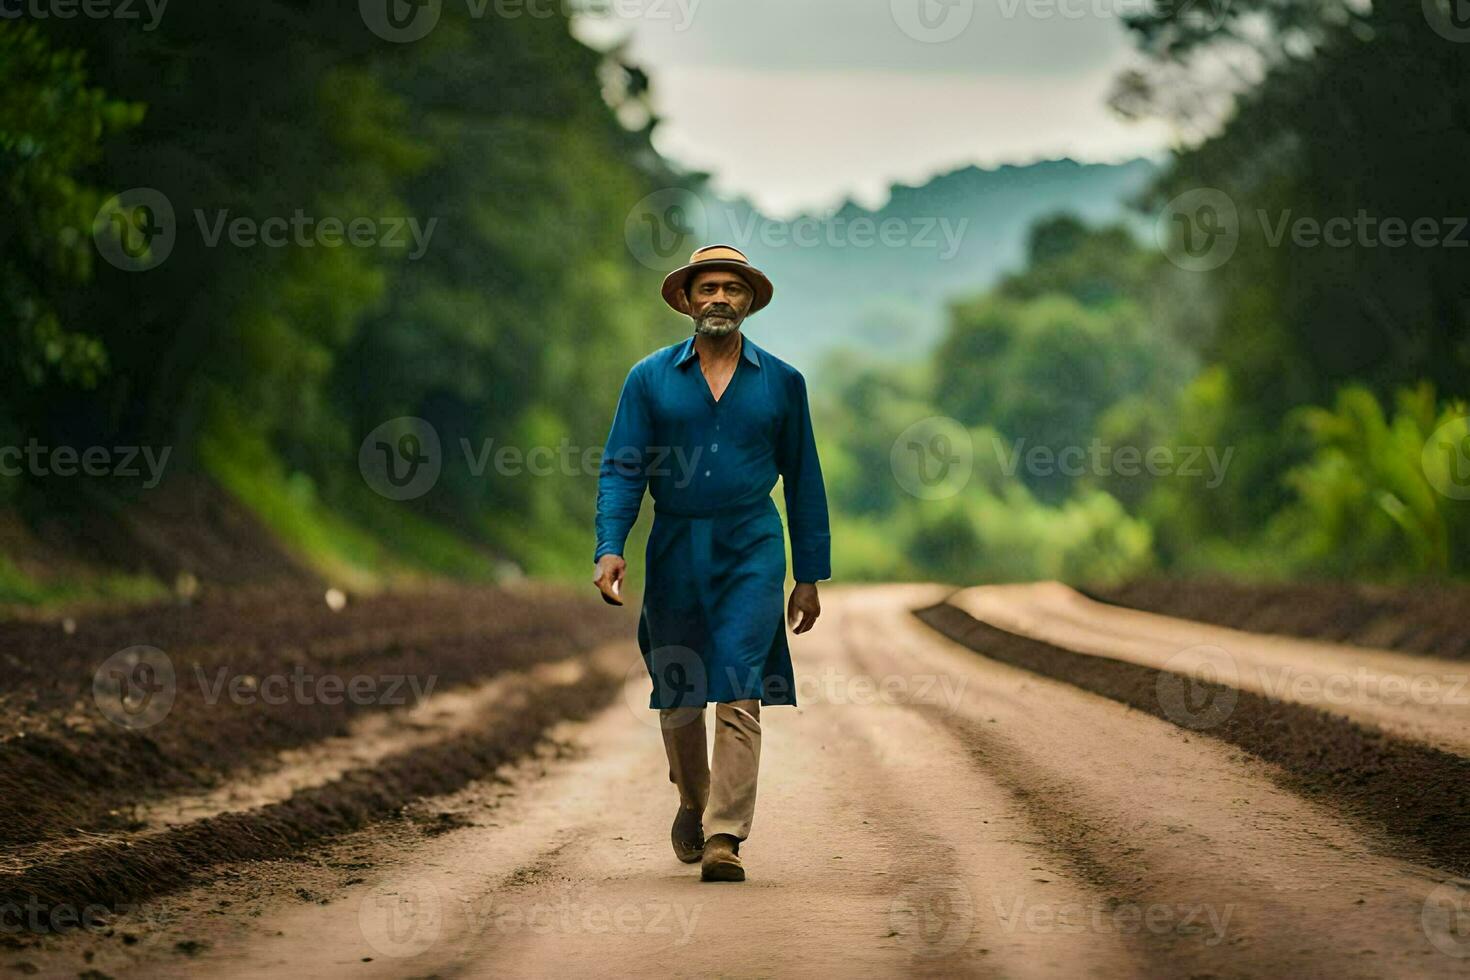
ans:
(715, 448)
(706, 472)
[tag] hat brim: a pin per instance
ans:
(675, 281)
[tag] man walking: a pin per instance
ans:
(706, 426)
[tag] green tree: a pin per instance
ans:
(52, 125)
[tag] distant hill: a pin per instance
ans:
(878, 281)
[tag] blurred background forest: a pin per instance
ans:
(1329, 384)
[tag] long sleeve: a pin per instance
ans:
(623, 475)
(806, 495)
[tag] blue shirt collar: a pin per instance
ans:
(686, 352)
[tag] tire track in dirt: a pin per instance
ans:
(66, 765)
(876, 850)
(121, 870)
(996, 823)
(1411, 698)
(1425, 618)
(1412, 798)
(1166, 820)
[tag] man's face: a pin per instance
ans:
(718, 302)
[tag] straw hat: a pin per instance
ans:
(717, 257)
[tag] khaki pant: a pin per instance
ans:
(725, 790)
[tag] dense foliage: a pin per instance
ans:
(511, 316)
(1360, 113)
(1297, 409)
(1321, 378)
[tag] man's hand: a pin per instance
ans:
(804, 601)
(609, 578)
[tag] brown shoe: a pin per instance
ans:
(688, 835)
(722, 859)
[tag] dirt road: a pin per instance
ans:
(927, 810)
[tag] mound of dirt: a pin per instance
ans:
(115, 871)
(1413, 798)
(187, 525)
(240, 663)
(1428, 619)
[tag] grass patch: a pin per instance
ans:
(20, 589)
(383, 543)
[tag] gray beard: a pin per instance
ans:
(708, 326)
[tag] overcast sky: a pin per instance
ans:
(799, 103)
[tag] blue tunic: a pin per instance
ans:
(713, 622)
